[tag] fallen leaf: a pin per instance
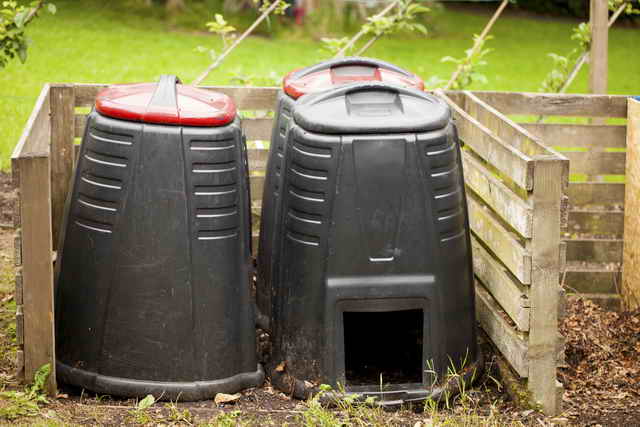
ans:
(281, 366)
(226, 398)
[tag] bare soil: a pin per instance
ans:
(601, 380)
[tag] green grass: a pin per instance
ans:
(96, 43)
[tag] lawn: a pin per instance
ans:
(97, 43)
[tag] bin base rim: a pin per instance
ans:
(183, 391)
(402, 394)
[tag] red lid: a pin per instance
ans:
(326, 76)
(166, 102)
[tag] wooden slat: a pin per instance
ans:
(598, 222)
(594, 250)
(593, 278)
(37, 269)
(61, 153)
(511, 208)
(511, 343)
(257, 159)
(35, 137)
(611, 302)
(510, 294)
(599, 46)
(551, 178)
(257, 185)
(513, 164)
(596, 193)
(499, 240)
(596, 162)
(631, 275)
(245, 98)
(506, 129)
(552, 104)
(572, 135)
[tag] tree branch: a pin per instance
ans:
(244, 35)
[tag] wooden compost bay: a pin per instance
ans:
(519, 196)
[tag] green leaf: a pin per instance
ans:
(147, 402)
(20, 18)
(52, 8)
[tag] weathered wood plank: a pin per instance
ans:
(37, 268)
(597, 222)
(631, 275)
(62, 158)
(593, 278)
(551, 179)
(246, 98)
(506, 129)
(554, 104)
(511, 343)
(596, 193)
(596, 162)
(594, 250)
(513, 164)
(35, 137)
(257, 159)
(599, 46)
(499, 240)
(572, 135)
(257, 184)
(511, 208)
(510, 294)
(17, 248)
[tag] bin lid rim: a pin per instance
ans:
(190, 106)
(371, 108)
(323, 76)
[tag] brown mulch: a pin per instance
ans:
(602, 380)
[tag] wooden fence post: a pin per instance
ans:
(599, 61)
(37, 269)
(631, 248)
(548, 190)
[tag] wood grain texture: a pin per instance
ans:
(631, 272)
(596, 162)
(592, 278)
(573, 135)
(597, 222)
(62, 157)
(505, 158)
(553, 104)
(583, 194)
(509, 293)
(507, 130)
(37, 268)
(594, 250)
(503, 243)
(245, 98)
(511, 343)
(599, 54)
(550, 181)
(511, 208)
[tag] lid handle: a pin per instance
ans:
(351, 60)
(165, 93)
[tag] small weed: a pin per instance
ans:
(177, 415)
(139, 414)
(26, 403)
(228, 419)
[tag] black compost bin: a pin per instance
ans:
(375, 279)
(314, 79)
(152, 289)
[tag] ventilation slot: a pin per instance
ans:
(320, 175)
(304, 239)
(216, 212)
(305, 217)
(105, 159)
(110, 138)
(94, 226)
(312, 151)
(102, 205)
(213, 190)
(227, 233)
(309, 196)
(199, 145)
(102, 182)
(214, 167)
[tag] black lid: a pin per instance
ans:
(371, 108)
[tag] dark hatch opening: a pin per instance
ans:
(383, 343)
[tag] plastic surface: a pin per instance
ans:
(152, 281)
(335, 72)
(372, 224)
(167, 102)
(317, 78)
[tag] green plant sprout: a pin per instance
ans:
(26, 403)
(468, 64)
